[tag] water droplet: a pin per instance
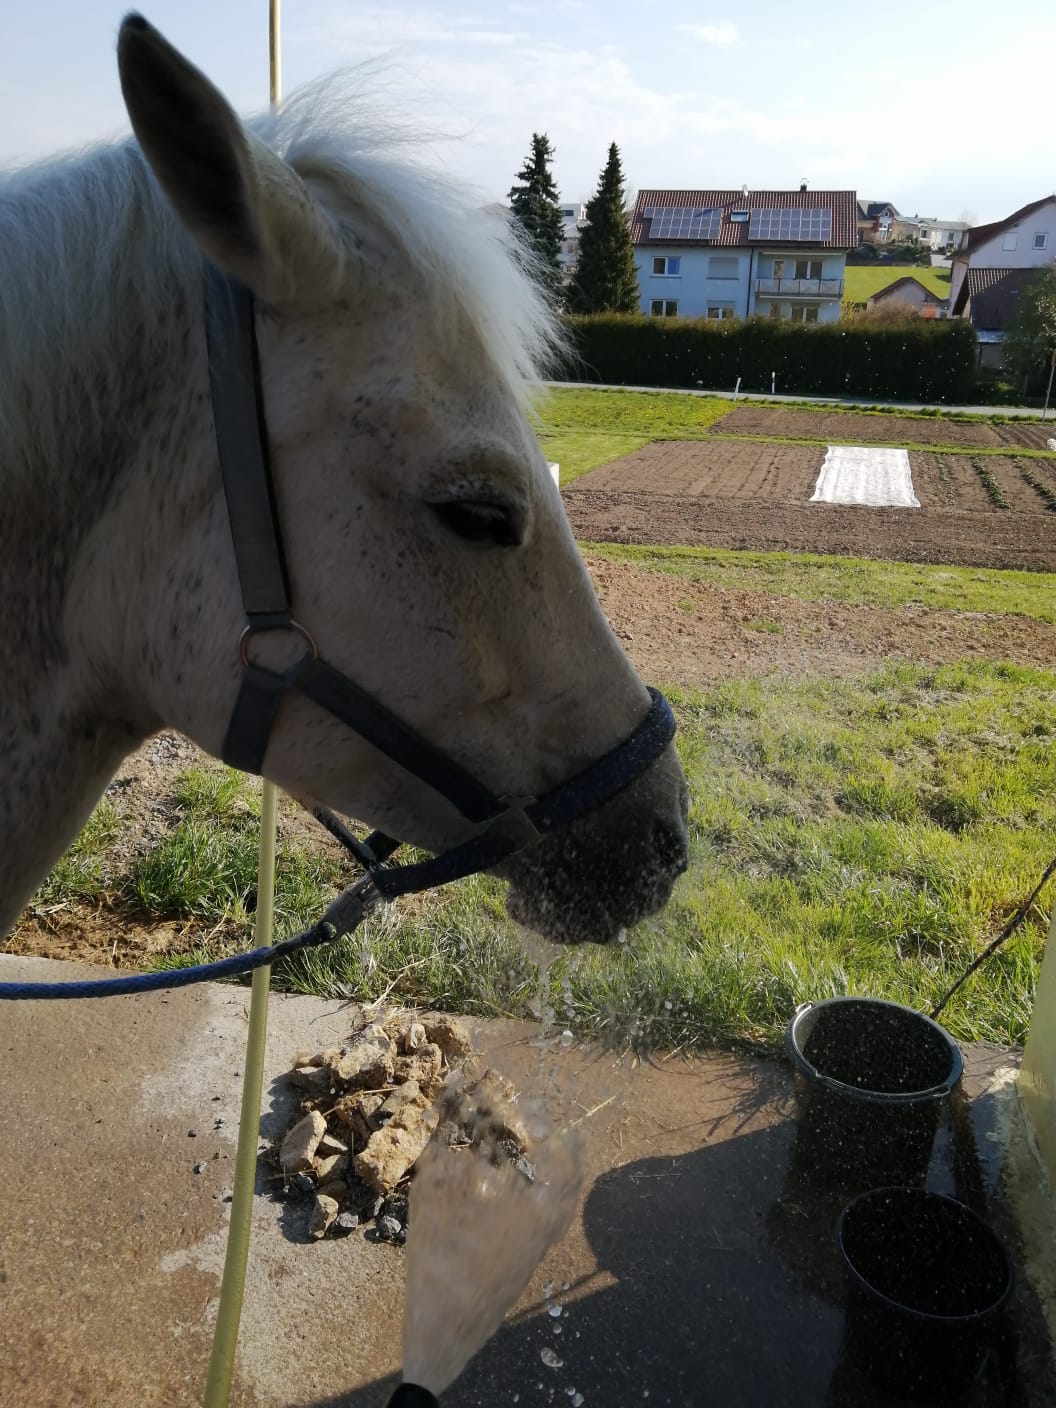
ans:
(667, 1005)
(550, 1359)
(548, 1289)
(554, 1310)
(621, 937)
(578, 1400)
(567, 1038)
(566, 1285)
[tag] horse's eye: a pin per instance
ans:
(477, 521)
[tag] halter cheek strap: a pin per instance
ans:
(504, 824)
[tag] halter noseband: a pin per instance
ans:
(504, 824)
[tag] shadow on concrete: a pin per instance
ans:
(703, 1296)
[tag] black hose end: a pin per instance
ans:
(411, 1396)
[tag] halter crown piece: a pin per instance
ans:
(503, 825)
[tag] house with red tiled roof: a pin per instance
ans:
(736, 254)
(996, 263)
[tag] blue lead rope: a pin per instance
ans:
(347, 911)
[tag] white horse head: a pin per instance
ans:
(428, 551)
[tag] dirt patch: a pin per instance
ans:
(988, 539)
(864, 429)
(695, 469)
(960, 482)
(691, 633)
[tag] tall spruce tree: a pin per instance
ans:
(605, 279)
(535, 207)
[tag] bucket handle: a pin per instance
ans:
(939, 1092)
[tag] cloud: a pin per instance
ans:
(724, 35)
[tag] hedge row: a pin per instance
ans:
(929, 361)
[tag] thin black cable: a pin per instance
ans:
(1009, 929)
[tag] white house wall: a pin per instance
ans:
(993, 254)
(697, 287)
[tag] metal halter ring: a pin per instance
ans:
(252, 630)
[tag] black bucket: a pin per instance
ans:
(872, 1079)
(927, 1279)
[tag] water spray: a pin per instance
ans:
(472, 1209)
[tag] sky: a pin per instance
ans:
(944, 110)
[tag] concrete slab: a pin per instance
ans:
(695, 1273)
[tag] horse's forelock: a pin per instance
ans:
(463, 254)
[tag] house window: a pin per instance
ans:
(779, 268)
(739, 217)
(775, 310)
(720, 310)
(667, 266)
(805, 313)
(808, 268)
(722, 268)
(663, 308)
(1010, 240)
(1041, 239)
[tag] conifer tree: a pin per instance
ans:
(535, 207)
(605, 279)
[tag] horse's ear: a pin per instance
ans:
(234, 196)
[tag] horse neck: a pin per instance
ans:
(98, 363)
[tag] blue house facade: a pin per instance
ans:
(732, 254)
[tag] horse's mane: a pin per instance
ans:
(85, 238)
(470, 256)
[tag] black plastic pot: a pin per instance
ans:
(927, 1279)
(872, 1079)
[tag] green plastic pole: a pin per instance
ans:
(233, 1285)
(225, 1336)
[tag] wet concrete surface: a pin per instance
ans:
(699, 1270)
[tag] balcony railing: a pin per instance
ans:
(800, 288)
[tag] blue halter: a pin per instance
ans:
(503, 824)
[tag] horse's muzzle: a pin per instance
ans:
(588, 882)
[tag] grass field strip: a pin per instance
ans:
(869, 477)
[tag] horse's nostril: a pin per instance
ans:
(670, 845)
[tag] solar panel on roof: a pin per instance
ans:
(812, 224)
(682, 222)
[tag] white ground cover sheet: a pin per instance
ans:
(874, 477)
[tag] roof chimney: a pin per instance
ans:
(744, 190)
(803, 183)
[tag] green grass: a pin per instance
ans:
(658, 415)
(866, 836)
(846, 837)
(860, 282)
(84, 872)
(813, 577)
(580, 451)
(582, 429)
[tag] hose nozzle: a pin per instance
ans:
(411, 1396)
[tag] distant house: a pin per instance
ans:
(942, 236)
(734, 254)
(910, 291)
(997, 261)
(875, 221)
(573, 217)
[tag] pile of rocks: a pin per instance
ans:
(371, 1106)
